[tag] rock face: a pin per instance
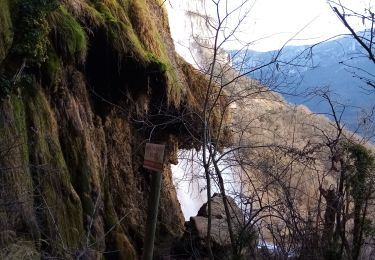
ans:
(83, 86)
(193, 243)
(193, 36)
(219, 229)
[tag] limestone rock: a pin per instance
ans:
(194, 240)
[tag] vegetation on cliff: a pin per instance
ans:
(76, 80)
(45, 29)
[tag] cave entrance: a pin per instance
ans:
(118, 79)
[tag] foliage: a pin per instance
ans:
(361, 184)
(8, 85)
(30, 40)
(364, 164)
(32, 29)
(5, 86)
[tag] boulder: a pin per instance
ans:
(193, 243)
(218, 210)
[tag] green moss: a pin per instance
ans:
(13, 136)
(130, 27)
(151, 37)
(69, 37)
(79, 169)
(110, 217)
(17, 132)
(156, 64)
(6, 32)
(19, 120)
(107, 15)
(132, 31)
(51, 67)
(174, 87)
(163, 65)
(60, 208)
(18, 112)
(120, 30)
(116, 240)
(125, 249)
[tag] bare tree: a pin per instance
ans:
(348, 17)
(224, 144)
(224, 90)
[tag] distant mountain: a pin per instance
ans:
(335, 65)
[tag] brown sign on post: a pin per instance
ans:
(154, 157)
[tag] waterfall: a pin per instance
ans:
(189, 192)
(190, 183)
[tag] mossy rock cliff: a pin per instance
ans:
(77, 79)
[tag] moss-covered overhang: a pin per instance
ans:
(123, 47)
(66, 29)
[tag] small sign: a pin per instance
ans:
(154, 157)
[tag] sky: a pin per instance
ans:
(311, 20)
(271, 23)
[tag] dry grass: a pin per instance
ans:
(6, 34)
(84, 11)
(145, 28)
(197, 84)
(120, 30)
(150, 35)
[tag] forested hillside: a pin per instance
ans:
(338, 66)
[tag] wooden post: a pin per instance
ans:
(153, 160)
(152, 216)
